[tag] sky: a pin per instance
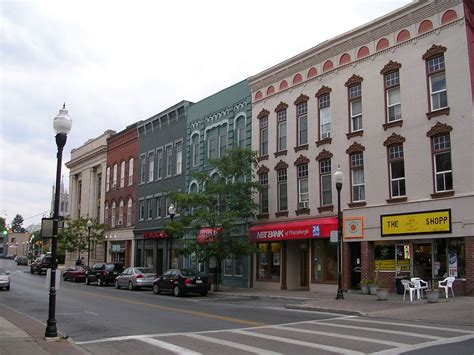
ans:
(117, 62)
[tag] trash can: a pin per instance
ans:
(398, 284)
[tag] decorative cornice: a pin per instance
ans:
(353, 80)
(262, 170)
(281, 165)
(390, 66)
(324, 155)
(434, 51)
(281, 106)
(394, 139)
(355, 148)
(302, 98)
(263, 113)
(439, 128)
(301, 160)
(324, 90)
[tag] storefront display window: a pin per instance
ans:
(392, 256)
(325, 261)
(268, 261)
(234, 267)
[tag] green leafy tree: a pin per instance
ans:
(75, 234)
(224, 204)
(17, 224)
(3, 226)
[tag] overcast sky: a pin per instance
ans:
(117, 62)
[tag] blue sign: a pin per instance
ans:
(316, 231)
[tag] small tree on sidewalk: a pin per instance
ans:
(224, 203)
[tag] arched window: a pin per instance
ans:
(107, 179)
(327, 65)
(382, 44)
(196, 150)
(114, 181)
(240, 132)
(363, 52)
(113, 215)
(120, 216)
(122, 174)
(130, 172)
(129, 212)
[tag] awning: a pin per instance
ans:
(207, 234)
(304, 229)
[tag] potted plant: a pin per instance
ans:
(432, 294)
(382, 294)
(364, 286)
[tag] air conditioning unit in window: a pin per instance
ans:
(303, 204)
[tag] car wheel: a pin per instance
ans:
(130, 285)
(87, 281)
(176, 291)
(156, 289)
(117, 286)
(204, 293)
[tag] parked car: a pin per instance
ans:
(135, 278)
(4, 279)
(182, 281)
(75, 273)
(22, 260)
(103, 273)
(41, 264)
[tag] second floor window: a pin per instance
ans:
(120, 214)
(240, 132)
(159, 164)
(113, 214)
(149, 208)
(303, 186)
(302, 113)
(222, 142)
(264, 136)
(393, 98)
(357, 177)
(325, 116)
(196, 146)
(263, 178)
(437, 83)
(169, 161)
(122, 174)
(114, 179)
(141, 209)
(159, 207)
(107, 179)
(143, 169)
(130, 172)
(151, 167)
(129, 212)
(325, 182)
(179, 157)
(443, 170)
(282, 190)
(397, 171)
(106, 214)
(281, 130)
(355, 106)
(212, 147)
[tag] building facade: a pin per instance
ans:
(391, 103)
(63, 200)
(161, 169)
(216, 123)
(87, 168)
(120, 195)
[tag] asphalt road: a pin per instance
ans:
(105, 320)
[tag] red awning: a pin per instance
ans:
(207, 234)
(304, 229)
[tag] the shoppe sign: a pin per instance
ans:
(425, 222)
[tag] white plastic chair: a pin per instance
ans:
(420, 286)
(408, 287)
(447, 284)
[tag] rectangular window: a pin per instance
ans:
(196, 150)
(397, 171)
(282, 190)
(129, 212)
(151, 167)
(114, 178)
(130, 172)
(122, 174)
(234, 267)
(179, 157)
(302, 113)
(169, 161)
(222, 144)
(303, 187)
(241, 136)
(263, 178)
(268, 261)
(159, 164)
(149, 207)
(212, 147)
(159, 208)
(143, 169)
(325, 117)
(326, 184)
(437, 83)
(357, 177)
(281, 130)
(107, 179)
(442, 163)
(355, 103)
(141, 207)
(324, 263)
(264, 136)
(392, 87)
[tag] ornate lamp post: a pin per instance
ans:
(89, 226)
(171, 212)
(62, 125)
(339, 179)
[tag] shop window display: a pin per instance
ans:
(392, 256)
(325, 261)
(268, 261)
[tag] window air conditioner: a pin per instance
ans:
(304, 204)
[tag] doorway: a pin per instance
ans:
(304, 281)
(422, 260)
(355, 265)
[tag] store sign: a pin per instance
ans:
(353, 227)
(154, 235)
(416, 223)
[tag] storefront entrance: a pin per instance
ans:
(355, 265)
(422, 260)
(304, 281)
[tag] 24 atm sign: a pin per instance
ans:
(416, 223)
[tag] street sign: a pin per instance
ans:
(333, 238)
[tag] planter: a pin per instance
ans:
(365, 289)
(373, 289)
(432, 296)
(382, 294)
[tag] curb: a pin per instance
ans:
(327, 310)
(253, 295)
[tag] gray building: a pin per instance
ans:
(161, 151)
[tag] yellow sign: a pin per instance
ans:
(391, 265)
(416, 223)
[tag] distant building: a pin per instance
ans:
(63, 200)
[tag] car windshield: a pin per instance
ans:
(2, 271)
(109, 266)
(190, 272)
(143, 270)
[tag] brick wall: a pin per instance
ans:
(469, 254)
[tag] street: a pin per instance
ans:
(105, 320)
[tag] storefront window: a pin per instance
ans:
(325, 261)
(234, 267)
(268, 261)
(390, 256)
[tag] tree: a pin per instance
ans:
(17, 224)
(225, 203)
(74, 235)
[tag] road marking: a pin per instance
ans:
(337, 335)
(424, 345)
(170, 347)
(93, 313)
(250, 349)
(177, 310)
(417, 335)
(410, 325)
(297, 342)
(304, 311)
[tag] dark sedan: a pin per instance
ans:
(75, 273)
(182, 281)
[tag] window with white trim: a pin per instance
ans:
(141, 209)
(222, 140)
(437, 83)
(357, 177)
(282, 190)
(143, 169)
(234, 267)
(106, 214)
(107, 179)
(443, 169)
(196, 147)
(303, 186)
(281, 130)
(240, 132)
(302, 119)
(264, 136)
(169, 161)
(149, 208)
(129, 212)
(393, 97)
(130, 172)
(122, 174)
(159, 163)
(113, 214)
(114, 179)
(179, 157)
(355, 105)
(151, 167)
(397, 170)
(120, 214)
(325, 182)
(159, 207)
(324, 103)
(212, 152)
(263, 196)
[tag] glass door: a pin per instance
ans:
(422, 260)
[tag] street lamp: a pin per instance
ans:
(62, 125)
(89, 226)
(339, 179)
(171, 212)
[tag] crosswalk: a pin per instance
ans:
(340, 335)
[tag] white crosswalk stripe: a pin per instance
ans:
(170, 347)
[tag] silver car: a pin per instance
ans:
(5, 279)
(135, 278)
